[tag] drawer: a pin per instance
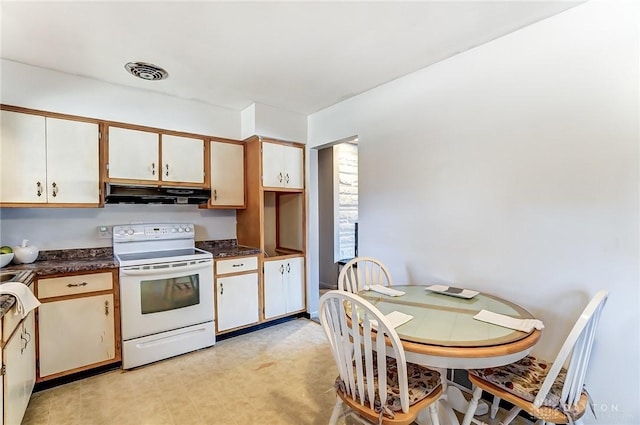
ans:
(72, 285)
(236, 265)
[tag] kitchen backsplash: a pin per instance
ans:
(63, 228)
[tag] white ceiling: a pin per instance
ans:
(297, 56)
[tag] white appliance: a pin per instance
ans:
(166, 292)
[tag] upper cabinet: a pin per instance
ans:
(48, 161)
(274, 218)
(282, 166)
(226, 174)
(146, 157)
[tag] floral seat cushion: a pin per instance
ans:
(421, 383)
(524, 379)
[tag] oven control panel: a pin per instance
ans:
(153, 231)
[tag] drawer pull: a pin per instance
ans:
(73, 285)
(106, 308)
(238, 265)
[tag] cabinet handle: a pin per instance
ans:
(166, 173)
(39, 189)
(286, 178)
(106, 308)
(281, 269)
(238, 265)
(215, 195)
(54, 189)
(288, 268)
(26, 340)
(221, 289)
(73, 285)
(280, 177)
(153, 168)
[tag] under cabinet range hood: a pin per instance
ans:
(124, 194)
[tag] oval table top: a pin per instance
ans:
(443, 332)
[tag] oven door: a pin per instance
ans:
(160, 297)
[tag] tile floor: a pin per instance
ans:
(282, 374)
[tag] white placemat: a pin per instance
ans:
(524, 325)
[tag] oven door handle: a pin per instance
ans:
(155, 271)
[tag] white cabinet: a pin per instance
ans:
(48, 160)
(236, 301)
(226, 174)
(182, 159)
(282, 166)
(133, 154)
(283, 286)
(149, 157)
(19, 361)
(76, 323)
(236, 293)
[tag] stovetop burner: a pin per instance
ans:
(153, 243)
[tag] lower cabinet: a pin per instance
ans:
(283, 286)
(77, 325)
(19, 362)
(236, 293)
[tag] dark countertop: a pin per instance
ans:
(91, 259)
(7, 301)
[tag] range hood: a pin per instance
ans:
(125, 194)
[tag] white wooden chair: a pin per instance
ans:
(362, 271)
(375, 381)
(552, 392)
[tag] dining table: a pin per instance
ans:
(443, 334)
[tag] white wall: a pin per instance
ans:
(53, 228)
(280, 124)
(513, 168)
(65, 228)
(269, 121)
(39, 88)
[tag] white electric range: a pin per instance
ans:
(166, 292)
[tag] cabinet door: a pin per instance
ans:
(133, 154)
(23, 162)
(19, 358)
(272, 165)
(295, 284)
(293, 167)
(75, 332)
(275, 302)
(182, 159)
(227, 174)
(72, 162)
(236, 301)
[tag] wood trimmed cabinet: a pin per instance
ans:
(226, 174)
(78, 322)
(282, 166)
(274, 221)
(283, 287)
(48, 161)
(237, 293)
(138, 156)
(18, 351)
(58, 160)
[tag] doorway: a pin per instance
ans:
(337, 208)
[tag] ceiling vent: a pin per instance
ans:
(146, 71)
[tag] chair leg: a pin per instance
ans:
(473, 405)
(337, 409)
(511, 416)
(434, 414)
(495, 406)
